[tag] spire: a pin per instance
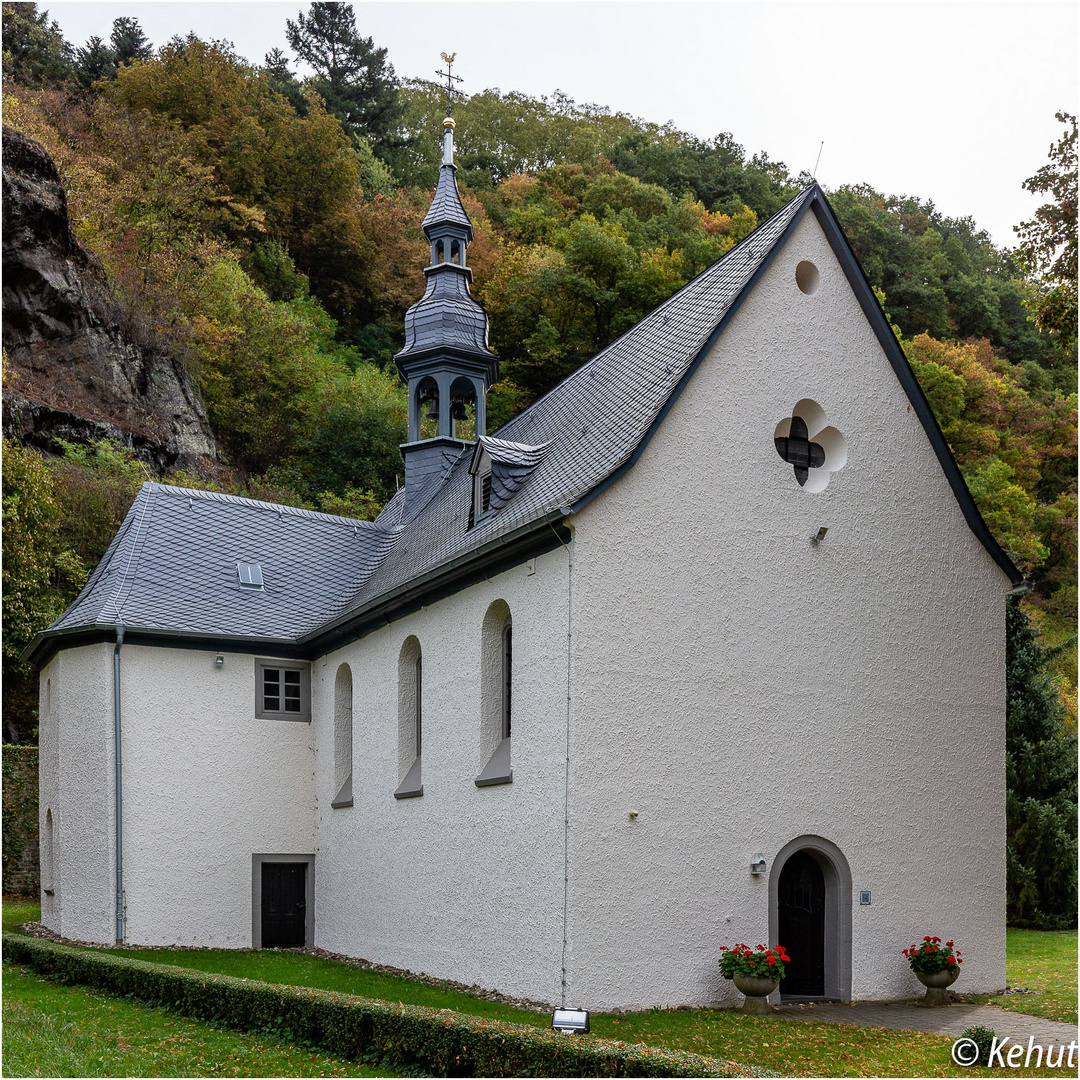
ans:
(446, 360)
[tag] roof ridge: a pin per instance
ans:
(113, 601)
(262, 504)
(709, 271)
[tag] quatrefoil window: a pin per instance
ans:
(810, 446)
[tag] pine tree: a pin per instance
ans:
(35, 52)
(283, 81)
(94, 62)
(128, 41)
(353, 77)
(1041, 777)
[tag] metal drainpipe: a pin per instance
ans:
(119, 790)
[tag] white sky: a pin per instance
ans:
(952, 102)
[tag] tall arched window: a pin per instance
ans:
(496, 695)
(410, 719)
(343, 722)
(47, 884)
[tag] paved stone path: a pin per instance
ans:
(944, 1020)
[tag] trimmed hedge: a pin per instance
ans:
(440, 1041)
(20, 769)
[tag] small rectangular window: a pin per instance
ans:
(282, 690)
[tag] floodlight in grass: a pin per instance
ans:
(569, 1021)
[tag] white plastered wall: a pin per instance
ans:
(206, 786)
(737, 687)
(461, 882)
(75, 770)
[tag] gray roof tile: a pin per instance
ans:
(446, 207)
(172, 566)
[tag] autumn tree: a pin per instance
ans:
(1048, 242)
(41, 575)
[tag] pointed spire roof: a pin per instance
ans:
(446, 208)
(447, 318)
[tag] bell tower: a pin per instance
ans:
(446, 361)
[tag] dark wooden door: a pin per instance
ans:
(284, 905)
(801, 910)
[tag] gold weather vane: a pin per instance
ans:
(450, 78)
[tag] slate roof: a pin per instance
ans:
(446, 316)
(446, 208)
(172, 566)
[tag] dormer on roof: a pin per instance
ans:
(500, 468)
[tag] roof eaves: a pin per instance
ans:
(809, 195)
(898, 360)
(47, 643)
(509, 548)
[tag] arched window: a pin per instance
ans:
(496, 695)
(410, 719)
(343, 721)
(47, 884)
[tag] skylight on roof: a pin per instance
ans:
(250, 575)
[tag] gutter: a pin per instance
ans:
(119, 789)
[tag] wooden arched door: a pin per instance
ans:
(801, 925)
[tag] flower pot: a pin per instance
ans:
(756, 991)
(937, 984)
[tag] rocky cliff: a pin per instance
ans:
(70, 372)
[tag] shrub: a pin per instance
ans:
(983, 1038)
(405, 1036)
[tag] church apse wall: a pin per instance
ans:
(207, 784)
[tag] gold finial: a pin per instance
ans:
(449, 59)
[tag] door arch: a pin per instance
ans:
(810, 897)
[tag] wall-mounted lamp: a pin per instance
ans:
(757, 864)
(820, 535)
(219, 660)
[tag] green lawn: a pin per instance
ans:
(1044, 962)
(796, 1047)
(52, 1030)
(299, 969)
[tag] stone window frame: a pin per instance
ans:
(264, 664)
(496, 695)
(343, 737)
(410, 717)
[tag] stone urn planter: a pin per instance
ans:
(937, 985)
(756, 991)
